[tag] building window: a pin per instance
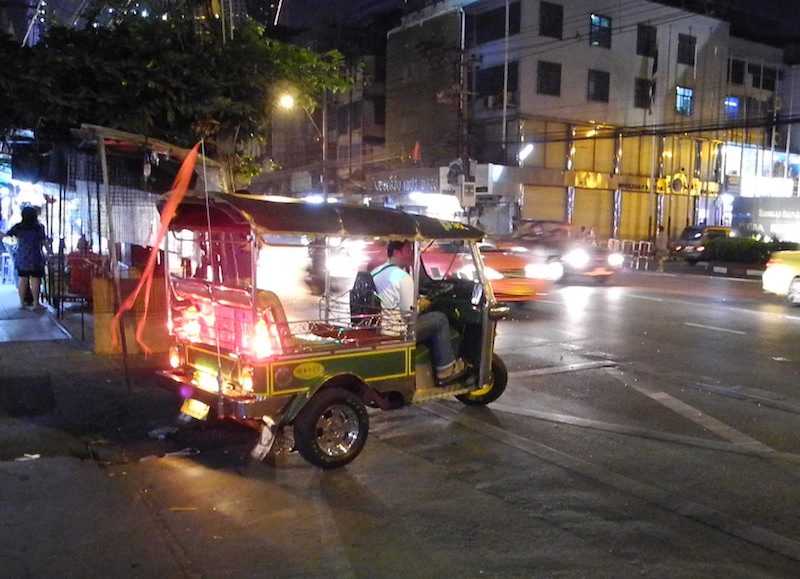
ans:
(686, 49)
(736, 71)
(597, 89)
(768, 78)
(600, 31)
(548, 78)
(684, 100)
(551, 20)
(641, 93)
(379, 102)
(491, 25)
(489, 81)
(732, 107)
(646, 41)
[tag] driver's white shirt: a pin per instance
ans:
(396, 292)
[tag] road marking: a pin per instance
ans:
(645, 433)
(694, 415)
(562, 369)
(648, 298)
(665, 498)
(715, 328)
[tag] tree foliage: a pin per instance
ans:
(170, 78)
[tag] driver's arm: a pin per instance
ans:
(406, 291)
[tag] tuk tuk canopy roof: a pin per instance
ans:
(292, 217)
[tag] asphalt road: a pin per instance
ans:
(649, 430)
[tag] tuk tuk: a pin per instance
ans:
(254, 344)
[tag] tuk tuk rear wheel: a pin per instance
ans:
(331, 429)
(491, 392)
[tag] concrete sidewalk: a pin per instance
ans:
(65, 415)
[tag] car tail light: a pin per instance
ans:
(701, 247)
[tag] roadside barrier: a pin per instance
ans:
(638, 253)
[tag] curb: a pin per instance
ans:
(736, 271)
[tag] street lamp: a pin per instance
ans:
(288, 101)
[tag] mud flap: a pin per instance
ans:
(266, 439)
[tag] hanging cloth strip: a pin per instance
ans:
(176, 195)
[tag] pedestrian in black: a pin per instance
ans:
(29, 259)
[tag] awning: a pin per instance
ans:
(292, 217)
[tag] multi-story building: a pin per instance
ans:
(616, 113)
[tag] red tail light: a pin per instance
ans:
(264, 341)
(190, 323)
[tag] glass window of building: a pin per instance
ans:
(489, 81)
(646, 40)
(600, 31)
(736, 71)
(684, 100)
(768, 78)
(491, 25)
(597, 88)
(548, 78)
(641, 93)
(551, 20)
(754, 70)
(732, 106)
(686, 49)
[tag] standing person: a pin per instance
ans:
(662, 247)
(396, 292)
(591, 237)
(29, 259)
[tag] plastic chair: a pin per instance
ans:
(6, 268)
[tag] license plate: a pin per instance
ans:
(194, 408)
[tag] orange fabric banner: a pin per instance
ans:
(176, 195)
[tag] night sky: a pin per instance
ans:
(765, 19)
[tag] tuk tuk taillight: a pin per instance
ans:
(190, 323)
(265, 341)
(175, 359)
(246, 378)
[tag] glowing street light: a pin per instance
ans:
(287, 101)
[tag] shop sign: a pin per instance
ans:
(591, 180)
(757, 186)
(395, 184)
(633, 183)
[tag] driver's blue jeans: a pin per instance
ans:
(433, 328)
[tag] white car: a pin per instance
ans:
(782, 276)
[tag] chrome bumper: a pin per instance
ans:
(241, 408)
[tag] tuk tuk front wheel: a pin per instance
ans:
(331, 429)
(493, 390)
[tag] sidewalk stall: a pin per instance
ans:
(253, 343)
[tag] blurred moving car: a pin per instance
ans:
(782, 276)
(693, 241)
(514, 277)
(560, 242)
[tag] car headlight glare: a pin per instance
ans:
(615, 259)
(577, 258)
(492, 274)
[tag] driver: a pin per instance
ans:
(396, 292)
